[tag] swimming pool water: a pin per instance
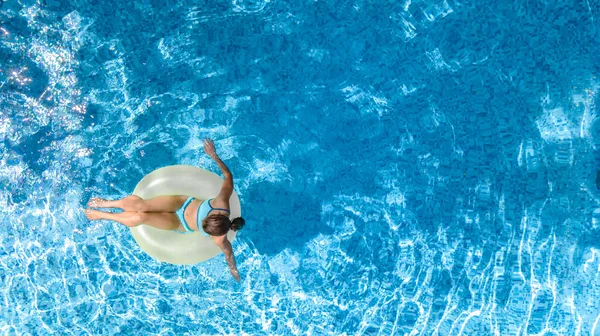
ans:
(405, 167)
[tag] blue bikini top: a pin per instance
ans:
(203, 210)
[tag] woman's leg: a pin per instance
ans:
(137, 204)
(160, 220)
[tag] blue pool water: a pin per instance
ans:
(405, 167)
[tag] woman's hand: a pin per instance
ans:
(209, 148)
(225, 246)
(235, 274)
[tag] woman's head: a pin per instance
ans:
(218, 225)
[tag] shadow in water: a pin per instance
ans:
(279, 218)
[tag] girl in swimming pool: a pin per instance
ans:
(180, 213)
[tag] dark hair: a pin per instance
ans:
(219, 225)
(237, 223)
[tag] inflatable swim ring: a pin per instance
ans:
(169, 246)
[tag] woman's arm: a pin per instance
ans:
(227, 187)
(225, 246)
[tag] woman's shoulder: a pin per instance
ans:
(218, 202)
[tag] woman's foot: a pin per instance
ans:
(96, 202)
(93, 214)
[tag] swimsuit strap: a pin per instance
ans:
(220, 209)
(211, 208)
(187, 202)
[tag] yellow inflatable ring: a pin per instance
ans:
(169, 246)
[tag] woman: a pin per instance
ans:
(180, 213)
